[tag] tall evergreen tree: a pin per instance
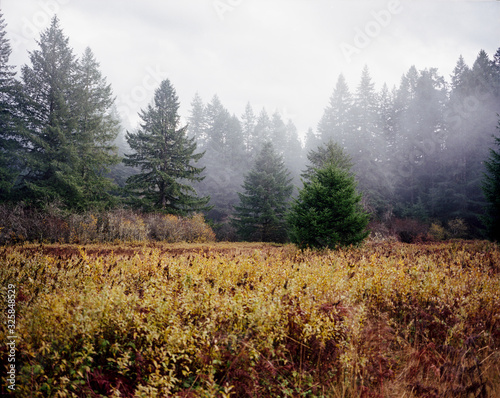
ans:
(312, 140)
(71, 125)
(51, 154)
(262, 132)
(278, 132)
(165, 155)
(197, 124)
(248, 127)
(460, 76)
(491, 189)
(264, 203)
(11, 120)
(366, 144)
(97, 129)
(470, 117)
(225, 160)
(292, 154)
(218, 125)
(336, 122)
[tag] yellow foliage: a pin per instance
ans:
(253, 319)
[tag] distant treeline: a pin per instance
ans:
(418, 149)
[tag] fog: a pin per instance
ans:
(410, 90)
(281, 55)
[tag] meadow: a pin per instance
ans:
(253, 320)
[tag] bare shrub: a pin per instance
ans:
(83, 228)
(457, 228)
(165, 228)
(409, 230)
(123, 225)
(380, 232)
(21, 223)
(170, 228)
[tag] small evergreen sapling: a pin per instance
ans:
(328, 211)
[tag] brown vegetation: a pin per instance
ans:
(192, 320)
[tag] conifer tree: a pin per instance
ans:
(262, 132)
(97, 129)
(225, 160)
(329, 153)
(248, 127)
(71, 126)
(51, 154)
(264, 203)
(197, 122)
(293, 153)
(164, 155)
(491, 189)
(337, 123)
(328, 211)
(278, 132)
(11, 121)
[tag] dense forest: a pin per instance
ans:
(419, 150)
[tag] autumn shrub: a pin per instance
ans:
(24, 224)
(380, 231)
(21, 223)
(84, 228)
(409, 230)
(456, 229)
(197, 230)
(124, 226)
(165, 227)
(170, 228)
(386, 319)
(437, 231)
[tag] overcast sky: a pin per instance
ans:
(283, 55)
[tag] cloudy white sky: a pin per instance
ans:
(283, 55)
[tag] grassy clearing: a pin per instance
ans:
(203, 320)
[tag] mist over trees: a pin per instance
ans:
(261, 214)
(418, 150)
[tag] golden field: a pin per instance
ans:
(254, 320)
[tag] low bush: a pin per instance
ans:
(409, 230)
(383, 320)
(23, 224)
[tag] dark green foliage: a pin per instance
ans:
(164, 155)
(328, 212)
(97, 128)
(264, 203)
(52, 155)
(70, 126)
(329, 153)
(491, 189)
(11, 121)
